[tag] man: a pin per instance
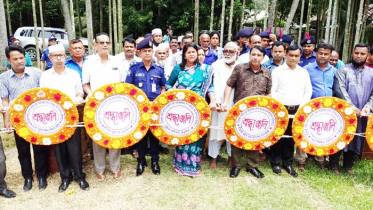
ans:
(291, 86)
(254, 40)
(278, 56)
(174, 45)
(247, 79)
(177, 58)
(210, 57)
(12, 84)
(157, 37)
(214, 44)
(369, 61)
(44, 57)
(128, 57)
(161, 55)
(101, 70)
(28, 63)
(353, 83)
(308, 55)
(69, 153)
(243, 38)
(334, 60)
(222, 71)
(285, 39)
(169, 32)
(149, 77)
(190, 34)
(265, 38)
(322, 79)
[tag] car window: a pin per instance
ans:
(59, 35)
(47, 34)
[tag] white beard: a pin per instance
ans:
(162, 62)
(230, 60)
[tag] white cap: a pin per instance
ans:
(163, 46)
(55, 48)
(156, 31)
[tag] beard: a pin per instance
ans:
(162, 62)
(358, 64)
(230, 60)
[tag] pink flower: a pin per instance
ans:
(178, 158)
(188, 162)
(193, 158)
(184, 156)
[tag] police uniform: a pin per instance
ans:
(303, 60)
(245, 32)
(151, 82)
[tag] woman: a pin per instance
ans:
(191, 75)
(201, 55)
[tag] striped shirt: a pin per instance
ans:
(12, 86)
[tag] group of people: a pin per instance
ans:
(262, 64)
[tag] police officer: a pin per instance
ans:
(308, 55)
(243, 37)
(149, 77)
(45, 61)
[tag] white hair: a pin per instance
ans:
(232, 44)
(163, 46)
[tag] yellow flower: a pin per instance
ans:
(279, 131)
(90, 114)
(299, 129)
(264, 102)
(319, 152)
(230, 122)
(119, 88)
(145, 116)
(194, 137)
(248, 146)
(371, 140)
(116, 144)
(158, 133)
(163, 100)
(23, 132)
(351, 129)
(328, 102)
(200, 105)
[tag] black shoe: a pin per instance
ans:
(43, 183)
(83, 185)
(7, 193)
(164, 150)
(155, 168)
(140, 168)
(234, 172)
(290, 171)
(255, 172)
(28, 185)
(220, 159)
(276, 169)
(64, 185)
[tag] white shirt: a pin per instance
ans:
(97, 74)
(125, 63)
(291, 87)
(222, 72)
(245, 58)
(68, 82)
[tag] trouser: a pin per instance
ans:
(2, 167)
(252, 157)
(69, 156)
(86, 143)
(301, 157)
(24, 157)
(348, 160)
(163, 145)
(214, 148)
(99, 155)
(143, 145)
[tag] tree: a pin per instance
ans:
(88, 8)
(110, 24)
(72, 20)
(36, 34)
(67, 18)
(8, 16)
(334, 23)
(347, 34)
(309, 15)
(301, 22)
(79, 18)
(272, 13)
(115, 26)
(42, 25)
(265, 26)
(243, 13)
(289, 20)
(222, 24)
(255, 10)
(327, 29)
(212, 15)
(358, 23)
(3, 36)
(120, 25)
(196, 18)
(101, 16)
(230, 20)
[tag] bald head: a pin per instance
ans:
(334, 58)
(255, 40)
(204, 41)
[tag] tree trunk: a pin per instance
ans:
(222, 24)
(265, 26)
(272, 13)
(196, 19)
(110, 24)
(309, 15)
(347, 34)
(334, 23)
(8, 16)
(79, 18)
(20, 15)
(101, 17)
(293, 9)
(230, 21)
(88, 7)
(42, 25)
(120, 25)
(358, 23)
(255, 10)
(301, 22)
(115, 27)
(338, 34)
(72, 20)
(67, 17)
(3, 37)
(212, 15)
(142, 5)
(36, 32)
(327, 29)
(243, 13)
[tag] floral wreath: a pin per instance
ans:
(110, 142)
(369, 132)
(18, 114)
(271, 104)
(339, 105)
(186, 96)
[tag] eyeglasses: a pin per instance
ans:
(103, 43)
(59, 55)
(229, 51)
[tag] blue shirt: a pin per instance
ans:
(70, 63)
(339, 64)
(44, 57)
(218, 52)
(144, 79)
(304, 61)
(28, 61)
(211, 57)
(268, 51)
(270, 65)
(245, 49)
(322, 81)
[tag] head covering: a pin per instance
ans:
(284, 38)
(145, 44)
(308, 40)
(156, 31)
(148, 35)
(55, 48)
(264, 34)
(246, 32)
(163, 46)
(52, 38)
